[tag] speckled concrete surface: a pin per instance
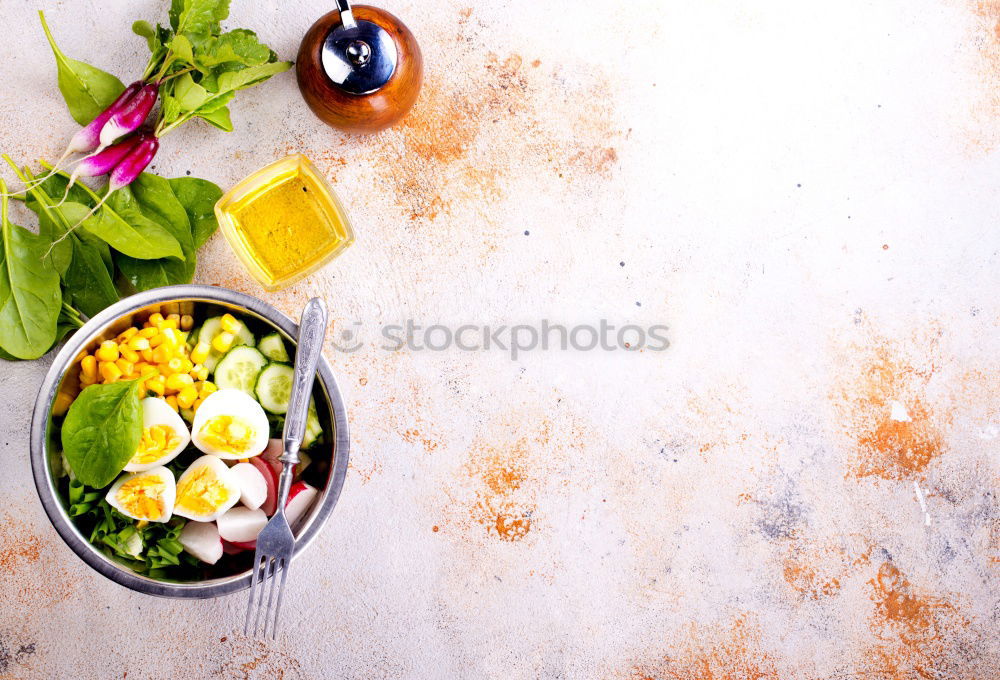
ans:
(803, 486)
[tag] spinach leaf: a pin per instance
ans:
(29, 291)
(101, 431)
(198, 196)
(82, 260)
(87, 89)
(157, 201)
(121, 224)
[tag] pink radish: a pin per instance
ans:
(270, 503)
(253, 485)
(129, 116)
(102, 162)
(241, 524)
(201, 539)
(300, 499)
(236, 547)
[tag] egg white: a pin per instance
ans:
(156, 411)
(220, 473)
(163, 476)
(236, 403)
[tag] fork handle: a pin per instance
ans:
(312, 330)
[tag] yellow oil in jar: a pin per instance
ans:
(284, 222)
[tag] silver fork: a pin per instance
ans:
(276, 542)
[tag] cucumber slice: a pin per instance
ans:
(239, 368)
(213, 327)
(273, 347)
(313, 429)
(274, 387)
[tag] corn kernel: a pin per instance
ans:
(179, 381)
(197, 403)
(171, 323)
(175, 365)
(128, 353)
(199, 372)
(162, 354)
(187, 322)
(147, 355)
(139, 342)
(156, 340)
(148, 332)
(61, 403)
(110, 372)
(206, 389)
(187, 396)
(186, 365)
(172, 402)
(155, 319)
(172, 337)
(156, 385)
(125, 366)
(223, 341)
(229, 323)
(88, 366)
(200, 352)
(86, 381)
(175, 316)
(108, 351)
(127, 333)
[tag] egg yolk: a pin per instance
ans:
(201, 492)
(142, 497)
(157, 441)
(228, 434)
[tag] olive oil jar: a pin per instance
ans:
(284, 222)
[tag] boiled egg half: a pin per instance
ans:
(148, 495)
(230, 424)
(164, 436)
(206, 490)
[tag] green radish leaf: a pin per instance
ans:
(198, 17)
(101, 431)
(87, 89)
(170, 108)
(234, 47)
(189, 94)
(30, 297)
(122, 225)
(198, 196)
(219, 118)
(238, 80)
(181, 48)
(145, 30)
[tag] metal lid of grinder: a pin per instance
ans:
(359, 68)
(358, 56)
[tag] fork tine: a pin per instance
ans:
(268, 566)
(281, 594)
(270, 597)
(253, 587)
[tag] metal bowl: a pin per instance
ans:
(65, 366)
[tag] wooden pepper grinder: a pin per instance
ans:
(359, 69)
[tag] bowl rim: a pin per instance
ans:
(45, 484)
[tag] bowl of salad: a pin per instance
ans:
(156, 435)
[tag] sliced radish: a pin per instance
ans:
(201, 539)
(270, 503)
(300, 499)
(241, 524)
(236, 547)
(275, 447)
(253, 485)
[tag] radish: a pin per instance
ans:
(241, 524)
(300, 499)
(130, 115)
(236, 547)
(270, 503)
(275, 447)
(101, 163)
(201, 539)
(253, 485)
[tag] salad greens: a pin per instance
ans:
(94, 246)
(102, 430)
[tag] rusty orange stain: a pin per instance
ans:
(730, 652)
(916, 632)
(501, 472)
(885, 373)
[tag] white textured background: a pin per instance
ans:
(805, 192)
